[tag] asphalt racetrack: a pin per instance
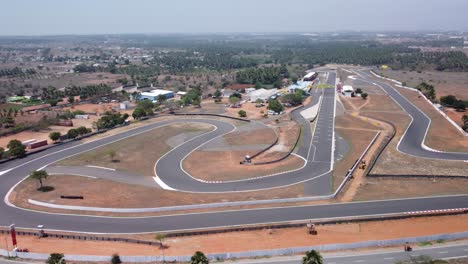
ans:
(316, 148)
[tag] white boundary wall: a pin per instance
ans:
(247, 254)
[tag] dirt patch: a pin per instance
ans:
(354, 121)
(136, 154)
(455, 115)
(252, 111)
(442, 135)
(225, 166)
(251, 137)
(383, 188)
(257, 240)
(382, 103)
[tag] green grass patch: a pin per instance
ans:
(425, 243)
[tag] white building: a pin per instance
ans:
(262, 94)
(154, 94)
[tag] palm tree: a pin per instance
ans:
(312, 257)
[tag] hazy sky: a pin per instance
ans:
(45, 17)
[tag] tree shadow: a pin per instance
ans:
(46, 189)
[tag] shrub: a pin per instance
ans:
(116, 259)
(364, 95)
(16, 148)
(72, 133)
(54, 136)
(242, 113)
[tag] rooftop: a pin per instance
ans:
(156, 92)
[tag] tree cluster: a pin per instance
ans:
(275, 106)
(266, 75)
(13, 72)
(428, 90)
(110, 120)
(453, 101)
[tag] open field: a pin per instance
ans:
(445, 83)
(389, 188)
(257, 240)
(252, 111)
(442, 135)
(136, 154)
(129, 196)
(381, 103)
(224, 166)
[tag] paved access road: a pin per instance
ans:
(412, 142)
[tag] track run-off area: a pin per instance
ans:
(316, 148)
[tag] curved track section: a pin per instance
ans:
(412, 142)
(316, 149)
(320, 151)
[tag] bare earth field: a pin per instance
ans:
(252, 111)
(442, 135)
(257, 240)
(389, 188)
(129, 196)
(225, 166)
(136, 154)
(445, 83)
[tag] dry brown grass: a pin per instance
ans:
(136, 154)
(381, 103)
(130, 196)
(225, 166)
(252, 137)
(445, 83)
(382, 188)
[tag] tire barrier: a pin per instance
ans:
(71, 197)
